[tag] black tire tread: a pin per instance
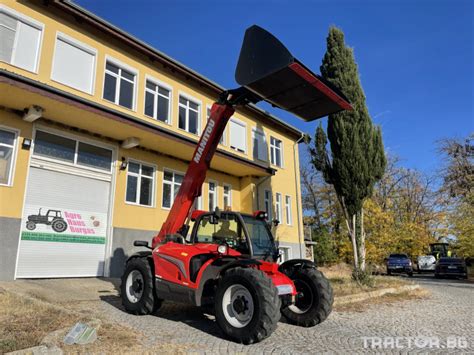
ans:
(326, 299)
(269, 306)
(149, 303)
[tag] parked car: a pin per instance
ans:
(455, 267)
(399, 263)
(426, 263)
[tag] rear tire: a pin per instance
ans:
(314, 300)
(247, 305)
(137, 288)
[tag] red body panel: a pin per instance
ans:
(172, 263)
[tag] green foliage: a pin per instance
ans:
(462, 227)
(357, 153)
(325, 250)
(363, 277)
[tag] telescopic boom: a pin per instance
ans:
(267, 71)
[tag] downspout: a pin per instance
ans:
(304, 138)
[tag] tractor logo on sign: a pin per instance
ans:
(51, 218)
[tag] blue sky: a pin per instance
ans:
(415, 57)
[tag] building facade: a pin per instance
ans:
(96, 132)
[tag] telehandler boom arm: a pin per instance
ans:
(267, 71)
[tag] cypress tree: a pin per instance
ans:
(356, 160)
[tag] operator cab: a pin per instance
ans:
(245, 233)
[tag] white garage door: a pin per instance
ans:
(65, 218)
(64, 225)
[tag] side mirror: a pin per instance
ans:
(276, 222)
(217, 212)
(141, 243)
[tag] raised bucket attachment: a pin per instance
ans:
(269, 70)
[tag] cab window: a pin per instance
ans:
(226, 229)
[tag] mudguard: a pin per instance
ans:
(296, 263)
(216, 268)
(140, 254)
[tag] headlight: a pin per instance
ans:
(284, 289)
(222, 249)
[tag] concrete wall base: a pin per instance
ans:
(9, 234)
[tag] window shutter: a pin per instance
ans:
(7, 34)
(262, 151)
(73, 66)
(238, 137)
(262, 147)
(26, 51)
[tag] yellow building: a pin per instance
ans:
(96, 132)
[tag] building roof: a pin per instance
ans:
(84, 15)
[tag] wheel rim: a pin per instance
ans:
(304, 299)
(134, 286)
(60, 226)
(238, 306)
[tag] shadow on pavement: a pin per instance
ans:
(196, 317)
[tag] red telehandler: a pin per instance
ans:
(229, 260)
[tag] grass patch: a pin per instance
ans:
(340, 276)
(26, 321)
(387, 299)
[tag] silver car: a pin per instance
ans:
(426, 263)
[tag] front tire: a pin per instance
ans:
(247, 305)
(137, 289)
(30, 225)
(314, 300)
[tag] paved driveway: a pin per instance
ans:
(446, 318)
(442, 323)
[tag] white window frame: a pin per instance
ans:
(214, 198)
(278, 209)
(241, 123)
(223, 140)
(288, 212)
(172, 183)
(273, 149)
(32, 22)
(195, 101)
(77, 140)
(121, 66)
(11, 174)
(139, 176)
(198, 202)
(290, 255)
(156, 94)
(229, 195)
(268, 201)
(86, 48)
(256, 131)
